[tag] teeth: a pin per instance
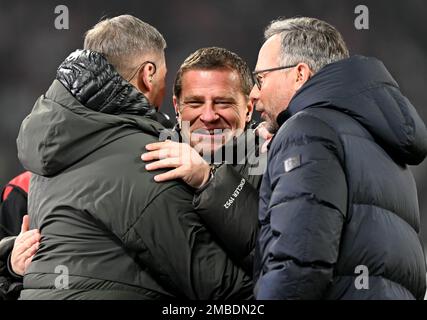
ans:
(211, 132)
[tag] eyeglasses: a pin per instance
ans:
(141, 66)
(257, 77)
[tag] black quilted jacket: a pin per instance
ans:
(339, 212)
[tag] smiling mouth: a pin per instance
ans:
(209, 135)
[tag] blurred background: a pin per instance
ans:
(31, 48)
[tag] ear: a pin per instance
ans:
(176, 105)
(249, 110)
(145, 79)
(303, 74)
(178, 114)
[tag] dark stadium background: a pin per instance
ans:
(31, 48)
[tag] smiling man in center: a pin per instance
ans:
(215, 102)
(211, 100)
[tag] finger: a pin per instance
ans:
(170, 175)
(27, 234)
(170, 150)
(25, 223)
(264, 147)
(149, 156)
(32, 250)
(264, 133)
(157, 145)
(164, 163)
(26, 254)
(155, 155)
(29, 243)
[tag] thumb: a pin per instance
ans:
(25, 223)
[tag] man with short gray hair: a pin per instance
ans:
(131, 46)
(338, 204)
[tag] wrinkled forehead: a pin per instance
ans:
(211, 73)
(211, 82)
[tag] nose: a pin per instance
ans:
(208, 113)
(254, 95)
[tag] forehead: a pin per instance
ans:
(269, 52)
(211, 83)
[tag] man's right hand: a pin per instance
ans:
(26, 245)
(185, 162)
(263, 132)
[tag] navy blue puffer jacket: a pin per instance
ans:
(339, 211)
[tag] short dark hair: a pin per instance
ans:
(214, 58)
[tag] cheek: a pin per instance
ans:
(190, 116)
(269, 92)
(285, 98)
(234, 118)
(161, 85)
(276, 98)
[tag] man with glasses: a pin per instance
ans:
(338, 204)
(258, 78)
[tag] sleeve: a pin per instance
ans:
(229, 207)
(12, 210)
(10, 285)
(305, 212)
(170, 239)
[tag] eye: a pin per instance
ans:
(193, 103)
(223, 103)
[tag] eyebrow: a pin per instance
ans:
(226, 98)
(193, 98)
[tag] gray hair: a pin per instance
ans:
(309, 40)
(123, 40)
(214, 58)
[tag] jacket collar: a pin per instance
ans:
(95, 83)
